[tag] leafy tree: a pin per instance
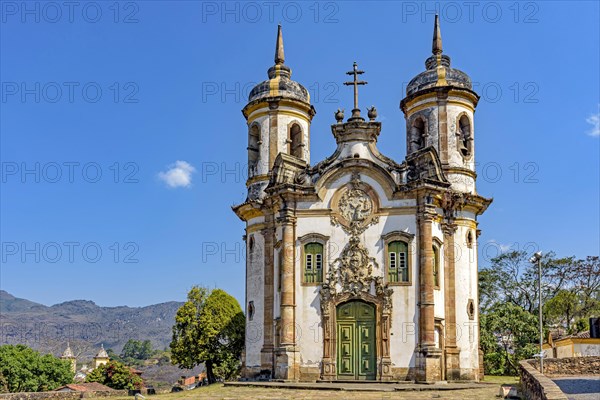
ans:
(508, 334)
(509, 298)
(512, 278)
(137, 350)
(23, 369)
(115, 375)
(562, 308)
(209, 329)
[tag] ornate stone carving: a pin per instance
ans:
(351, 277)
(452, 202)
(352, 273)
(355, 209)
(355, 205)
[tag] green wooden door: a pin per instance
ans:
(356, 341)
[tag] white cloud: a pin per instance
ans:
(594, 120)
(179, 174)
(502, 247)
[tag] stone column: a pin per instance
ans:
(429, 357)
(287, 367)
(426, 316)
(266, 353)
(452, 353)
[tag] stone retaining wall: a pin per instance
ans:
(60, 395)
(536, 386)
(569, 366)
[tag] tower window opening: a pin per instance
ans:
(253, 150)
(296, 145)
(418, 135)
(465, 136)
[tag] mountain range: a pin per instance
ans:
(83, 324)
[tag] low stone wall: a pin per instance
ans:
(536, 386)
(60, 395)
(569, 366)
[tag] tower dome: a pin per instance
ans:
(439, 108)
(279, 83)
(438, 71)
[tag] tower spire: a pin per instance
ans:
(436, 48)
(279, 56)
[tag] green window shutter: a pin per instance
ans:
(398, 262)
(313, 263)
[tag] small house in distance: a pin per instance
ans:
(578, 345)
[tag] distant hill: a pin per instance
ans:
(83, 324)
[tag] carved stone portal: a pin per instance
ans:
(350, 277)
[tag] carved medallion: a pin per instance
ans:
(355, 205)
(355, 209)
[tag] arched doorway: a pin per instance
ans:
(356, 345)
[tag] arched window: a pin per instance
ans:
(465, 136)
(253, 150)
(397, 253)
(418, 134)
(469, 239)
(436, 266)
(296, 145)
(313, 263)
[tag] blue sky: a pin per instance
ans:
(99, 100)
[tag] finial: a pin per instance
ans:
(437, 37)
(372, 113)
(279, 56)
(355, 72)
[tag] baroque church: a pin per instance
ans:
(359, 267)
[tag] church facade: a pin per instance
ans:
(359, 267)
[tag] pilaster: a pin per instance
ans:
(426, 284)
(287, 357)
(451, 352)
(429, 357)
(266, 353)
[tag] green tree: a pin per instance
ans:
(513, 278)
(209, 329)
(23, 369)
(137, 350)
(115, 375)
(563, 308)
(508, 334)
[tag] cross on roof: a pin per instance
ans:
(355, 72)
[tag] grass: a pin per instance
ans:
(218, 392)
(501, 380)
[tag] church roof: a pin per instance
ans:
(279, 83)
(438, 71)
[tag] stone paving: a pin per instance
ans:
(219, 392)
(579, 387)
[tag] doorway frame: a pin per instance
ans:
(382, 335)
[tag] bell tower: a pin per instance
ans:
(439, 109)
(278, 116)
